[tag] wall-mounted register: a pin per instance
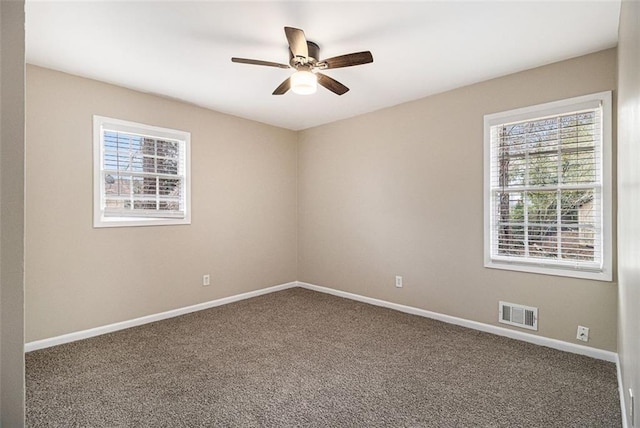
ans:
(518, 315)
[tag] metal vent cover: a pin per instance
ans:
(518, 315)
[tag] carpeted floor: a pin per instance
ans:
(301, 358)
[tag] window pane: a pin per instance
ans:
(511, 240)
(137, 183)
(579, 166)
(577, 207)
(116, 161)
(577, 243)
(543, 168)
(141, 163)
(512, 170)
(148, 164)
(543, 241)
(149, 146)
(167, 148)
(580, 129)
(170, 205)
(117, 184)
(542, 207)
(510, 214)
(542, 135)
(135, 142)
(149, 186)
(167, 166)
(513, 139)
(169, 186)
(510, 208)
(144, 205)
(118, 204)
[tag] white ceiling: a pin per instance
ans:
(182, 49)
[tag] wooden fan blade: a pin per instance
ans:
(283, 88)
(297, 42)
(331, 84)
(259, 62)
(348, 60)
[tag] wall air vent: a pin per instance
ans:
(518, 315)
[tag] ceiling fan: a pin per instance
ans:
(304, 58)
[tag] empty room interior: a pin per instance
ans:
(320, 213)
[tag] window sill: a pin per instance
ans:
(103, 222)
(600, 275)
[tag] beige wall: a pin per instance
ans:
(629, 200)
(399, 192)
(243, 229)
(12, 213)
(394, 192)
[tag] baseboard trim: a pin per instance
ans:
(92, 332)
(500, 331)
(599, 354)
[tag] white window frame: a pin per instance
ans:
(100, 124)
(602, 273)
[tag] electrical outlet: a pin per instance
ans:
(583, 333)
(398, 281)
(206, 280)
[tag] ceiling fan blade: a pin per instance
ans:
(348, 60)
(283, 88)
(259, 62)
(297, 41)
(331, 84)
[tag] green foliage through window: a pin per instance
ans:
(547, 177)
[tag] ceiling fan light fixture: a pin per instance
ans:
(304, 82)
(304, 58)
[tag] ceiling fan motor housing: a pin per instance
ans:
(311, 59)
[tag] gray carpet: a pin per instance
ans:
(301, 358)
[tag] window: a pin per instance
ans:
(141, 174)
(548, 188)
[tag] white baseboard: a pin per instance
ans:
(85, 334)
(526, 337)
(599, 354)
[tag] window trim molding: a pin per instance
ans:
(99, 219)
(548, 109)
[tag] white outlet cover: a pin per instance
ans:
(583, 333)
